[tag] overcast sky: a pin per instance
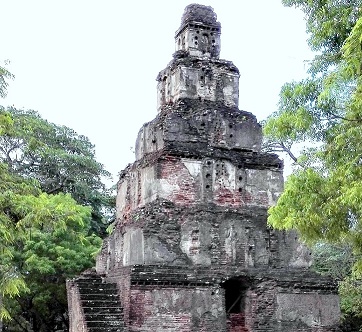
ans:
(91, 65)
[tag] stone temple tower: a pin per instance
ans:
(191, 249)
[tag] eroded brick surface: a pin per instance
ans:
(191, 250)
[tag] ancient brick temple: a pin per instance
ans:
(191, 250)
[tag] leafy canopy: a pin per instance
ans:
(318, 124)
(322, 198)
(42, 237)
(4, 76)
(58, 158)
(53, 206)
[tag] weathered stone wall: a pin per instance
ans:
(191, 249)
(199, 34)
(198, 79)
(173, 298)
(311, 309)
(176, 309)
(190, 181)
(186, 124)
(207, 235)
(76, 315)
(274, 306)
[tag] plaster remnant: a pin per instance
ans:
(193, 166)
(191, 249)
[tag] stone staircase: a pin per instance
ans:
(101, 304)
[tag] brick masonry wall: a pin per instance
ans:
(191, 250)
(176, 309)
(166, 298)
(164, 233)
(186, 181)
(180, 185)
(76, 316)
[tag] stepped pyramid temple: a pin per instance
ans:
(191, 250)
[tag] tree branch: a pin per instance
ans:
(289, 152)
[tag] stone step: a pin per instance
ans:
(100, 303)
(104, 317)
(98, 285)
(102, 310)
(105, 324)
(107, 329)
(89, 280)
(103, 286)
(100, 296)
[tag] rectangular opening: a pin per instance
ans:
(235, 290)
(235, 295)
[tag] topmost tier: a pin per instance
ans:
(196, 72)
(199, 14)
(199, 33)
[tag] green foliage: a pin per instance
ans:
(321, 207)
(58, 158)
(4, 76)
(329, 23)
(26, 214)
(336, 261)
(333, 260)
(44, 240)
(49, 258)
(52, 205)
(351, 296)
(319, 125)
(322, 198)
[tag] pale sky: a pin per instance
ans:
(91, 65)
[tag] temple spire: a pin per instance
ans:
(199, 33)
(196, 72)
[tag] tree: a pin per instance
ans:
(44, 240)
(4, 76)
(322, 198)
(53, 206)
(337, 261)
(59, 158)
(318, 124)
